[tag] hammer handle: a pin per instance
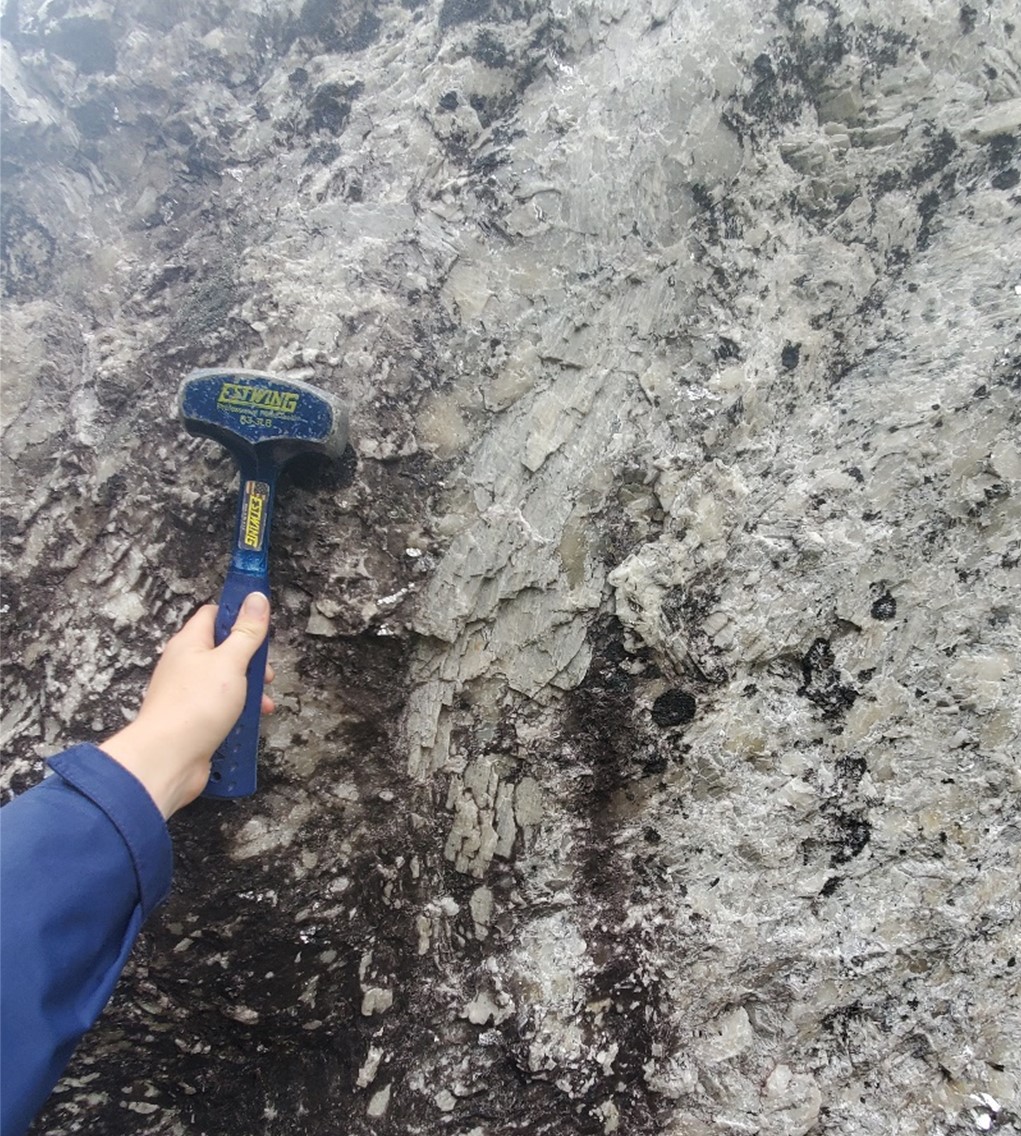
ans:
(235, 762)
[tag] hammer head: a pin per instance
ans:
(262, 418)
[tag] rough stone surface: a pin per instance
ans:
(648, 753)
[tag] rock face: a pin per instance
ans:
(648, 751)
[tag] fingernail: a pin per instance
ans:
(256, 605)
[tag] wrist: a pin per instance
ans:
(151, 760)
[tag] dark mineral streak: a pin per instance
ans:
(647, 758)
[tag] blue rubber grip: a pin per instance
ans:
(235, 763)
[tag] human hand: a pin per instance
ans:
(196, 694)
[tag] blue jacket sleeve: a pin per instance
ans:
(84, 858)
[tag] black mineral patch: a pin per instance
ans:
(927, 209)
(456, 12)
(851, 834)
(608, 744)
(1006, 179)
(939, 150)
(790, 356)
(887, 181)
(340, 28)
(673, 708)
(631, 1019)
(1003, 150)
(798, 68)
(884, 607)
(763, 67)
(770, 100)
(601, 727)
(822, 685)
(27, 250)
(851, 769)
(726, 349)
(209, 304)
(323, 154)
(489, 50)
(330, 106)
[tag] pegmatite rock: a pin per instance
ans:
(648, 751)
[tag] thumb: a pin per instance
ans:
(249, 629)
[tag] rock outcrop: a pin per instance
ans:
(648, 749)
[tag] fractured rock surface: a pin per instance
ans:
(648, 749)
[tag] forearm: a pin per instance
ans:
(85, 857)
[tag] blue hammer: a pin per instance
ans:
(264, 421)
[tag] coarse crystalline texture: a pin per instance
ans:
(647, 751)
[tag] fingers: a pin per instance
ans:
(249, 630)
(268, 705)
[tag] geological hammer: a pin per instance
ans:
(264, 421)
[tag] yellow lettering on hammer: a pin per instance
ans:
(274, 401)
(253, 519)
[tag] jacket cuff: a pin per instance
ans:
(130, 809)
